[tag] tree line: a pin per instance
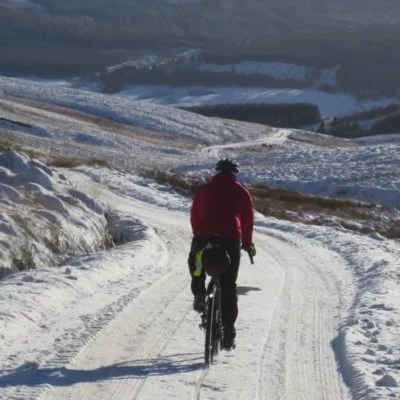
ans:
(291, 115)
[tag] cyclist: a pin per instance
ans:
(222, 208)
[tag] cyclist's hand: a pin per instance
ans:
(251, 249)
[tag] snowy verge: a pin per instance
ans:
(48, 219)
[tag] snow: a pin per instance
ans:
(155, 60)
(318, 312)
(330, 104)
(277, 70)
(142, 62)
(25, 3)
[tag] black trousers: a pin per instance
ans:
(227, 279)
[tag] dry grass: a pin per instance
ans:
(51, 161)
(176, 181)
(5, 146)
(22, 258)
(71, 162)
(363, 218)
(7, 143)
(268, 200)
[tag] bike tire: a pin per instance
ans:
(218, 329)
(209, 345)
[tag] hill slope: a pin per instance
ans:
(66, 38)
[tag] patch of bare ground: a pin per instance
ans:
(359, 217)
(71, 162)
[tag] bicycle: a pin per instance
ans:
(212, 317)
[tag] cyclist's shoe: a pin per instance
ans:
(228, 341)
(198, 304)
(228, 344)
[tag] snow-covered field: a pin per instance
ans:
(330, 104)
(319, 311)
(278, 70)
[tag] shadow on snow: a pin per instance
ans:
(31, 374)
(243, 290)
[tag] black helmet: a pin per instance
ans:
(227, 165)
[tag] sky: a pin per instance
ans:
(318, 311)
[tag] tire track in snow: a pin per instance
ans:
(199, 383)
(304, 367)
(264, 367)
(135, 343)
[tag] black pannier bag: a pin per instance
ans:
(215, 260)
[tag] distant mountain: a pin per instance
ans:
(64, 38)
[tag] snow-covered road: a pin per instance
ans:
(291, 301)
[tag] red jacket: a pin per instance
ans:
(223, 207)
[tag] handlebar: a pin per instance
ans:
(250, 256)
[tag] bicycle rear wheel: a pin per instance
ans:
(208, 351)
(213, 336)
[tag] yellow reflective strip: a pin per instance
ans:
(198, 263)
